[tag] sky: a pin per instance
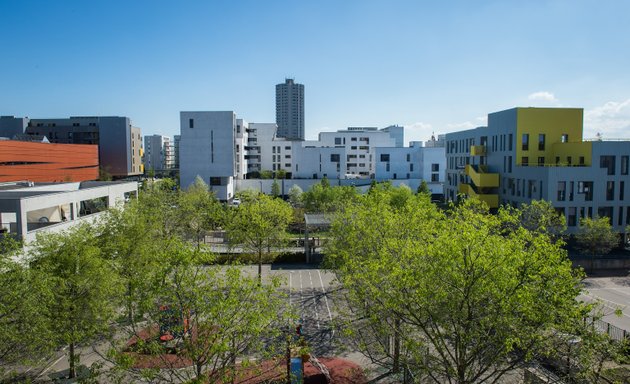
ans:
(431, 66)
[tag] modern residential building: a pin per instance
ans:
(176, 140)
(47, 162)
(27, 208)
(540, 153)
(290, 110)
(222, 149)
(159, 153)
(119, 142)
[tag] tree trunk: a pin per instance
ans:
(72, 372)
(260, 266)
(396, 364)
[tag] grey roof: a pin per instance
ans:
(317, 219)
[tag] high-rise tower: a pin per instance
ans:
(290, 110)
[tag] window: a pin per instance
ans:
(353, 139)
(411, 167)
(586, 187)
(384, 157)
(215, 181)
(435, 167)
(621, 190)
(605, 212)
(287, 148)
(541, 142)
(541, 161)
(353, 147)
(191, 123)
(608, 162)
(581, 160)
(435, 177)
(334, 157)
(562, 185)
(569, 160)
(564, 138)
(408, 157)
(525, 161)
(572, 216)
(624, 165)
(337, 140)
(510, 142)
(610, 190)
(525, 142)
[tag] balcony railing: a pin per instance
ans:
(491, 199)
(481, 178)
(477, 150)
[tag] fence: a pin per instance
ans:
(612, 331)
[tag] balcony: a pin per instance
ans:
(477, 150)
(481, 178)
(491, 199)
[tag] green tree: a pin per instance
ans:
(198, 211)
(24, 297)
(83, 284)
(266, 174)
(328, 199)
(275, 188)
(260, 225)
(596, 237)
(464, 299)
(281, 174)
(423, 188)
(295, 195)
(325, 183)
(540, 216)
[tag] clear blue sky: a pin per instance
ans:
(430, 66)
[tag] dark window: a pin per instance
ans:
(215, 181)
(605, 212)
(337, 140)
(610, 190)
(408, 157)
(621, 190)
(435, 177)
(557, 160)
(525, 142)
(572, 216)
(569, 160)
(191, 123)
(608, 162)
(541, 161)
(541, 142)
(564, 138)
(581, 160)
(586, 187)
(411, 167)
(384, 157)
(562, 185)
(334, 157)
(509, 142)
(525, 160)
(435, 167)
(624, 165)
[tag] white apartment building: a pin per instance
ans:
(159, 153)
(222, 148)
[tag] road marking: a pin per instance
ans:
(325, 295)
(607, 303)
(314, 299)
(50, 366)
(290, 288)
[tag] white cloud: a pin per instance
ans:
(483, 120)
(461, 126)
(418, 131)
(612, 120)
(543, 96)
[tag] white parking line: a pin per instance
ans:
(314, 299)
(325, 295)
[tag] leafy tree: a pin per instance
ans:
(260, 225)
(328, 199)
(423, 188)
(295, 195)
(596, 237)
(325, 183)
(540, 216)
(151, 173)
(199, 211)
(281, 174)
(266, 174)
(463, 299)
(275, 188)
(83, 284)
(24, 329)
(104, 174)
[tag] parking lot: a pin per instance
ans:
(613, 293)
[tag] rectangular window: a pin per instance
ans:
(509, 142)
(215, 181)
(541, 161)
(608, 162)
(581, 160)
(334, 157)
(624, 165)
(562, 185)
(408, 157)
(541, 142)
(411, 167)
(571, 185)
(525, 161)
(610, 190)
(621, 190)
(384, 157)
(525, 142)
(435, 167)
(337, 140)
(564, 138)
(191, 123)
(569, 160)
(509, 164)
(572, 216)
(557, 160)
(435, 177)
(605, 212)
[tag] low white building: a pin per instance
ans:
(220, 148)
(27, 209)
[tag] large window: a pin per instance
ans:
(562, 190)
(586, 188)
(525, 142)
(384, 157)
(334, 157)
(541, 142)
(191, 123)
(607, 162)
(624, 165)
(610, 190)
(435, 167)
